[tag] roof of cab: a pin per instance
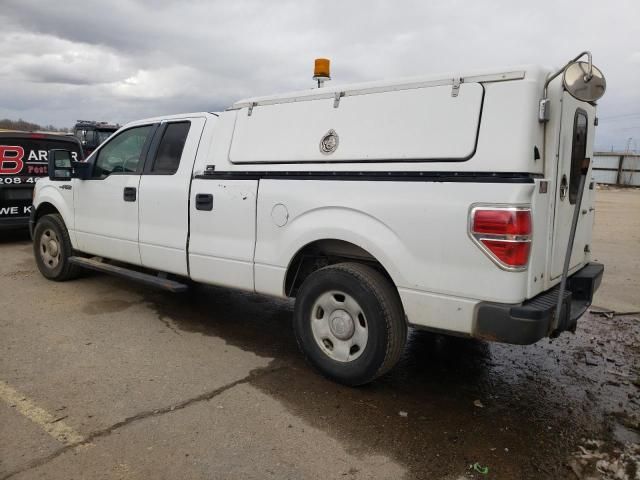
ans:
(164, 118)
(530, 72)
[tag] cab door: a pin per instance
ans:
(576, 143)
(164, 195)
(106, 205)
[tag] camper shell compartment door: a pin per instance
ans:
(437, 125)
(576, 140)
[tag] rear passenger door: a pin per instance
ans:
(164, 195)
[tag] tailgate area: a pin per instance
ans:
(528, 322)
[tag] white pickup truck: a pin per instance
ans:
(447, 203)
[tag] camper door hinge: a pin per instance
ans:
(544, 110)
(336, 99)
(250, 111)
(455, 87)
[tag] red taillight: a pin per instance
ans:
(514, 254)
(502, 222)
(504, 234)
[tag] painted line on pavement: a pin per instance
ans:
(49, 423)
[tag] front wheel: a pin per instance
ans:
(349, 323)
(52, 249)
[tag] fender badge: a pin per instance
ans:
(329, 142)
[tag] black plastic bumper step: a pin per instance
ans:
(152, 280)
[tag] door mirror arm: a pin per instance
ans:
(82, 170)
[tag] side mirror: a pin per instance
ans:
(584, 81)
(60, 166)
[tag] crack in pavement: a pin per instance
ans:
(254, 374)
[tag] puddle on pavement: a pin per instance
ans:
(106, 306)
(537, 401)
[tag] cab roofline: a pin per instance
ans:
(179, 116)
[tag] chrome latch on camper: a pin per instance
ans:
(250, 111)
(455, 88)
(544, 110)
(336, 99)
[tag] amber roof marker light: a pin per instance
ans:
(322, 71)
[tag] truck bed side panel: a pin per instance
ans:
(416, 230)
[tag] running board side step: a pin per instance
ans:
(147, 279)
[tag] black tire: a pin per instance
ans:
(380, 303)
(53, 267)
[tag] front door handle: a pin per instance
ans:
(129, 194)
(204, 201)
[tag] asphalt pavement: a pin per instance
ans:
(104, 378)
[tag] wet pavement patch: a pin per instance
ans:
(451, 402)
(97, 307)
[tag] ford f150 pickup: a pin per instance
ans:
(458, 203)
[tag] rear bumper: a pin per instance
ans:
(534, 319)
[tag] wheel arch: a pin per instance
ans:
(45, 208)
(50, 200)
(320, 253)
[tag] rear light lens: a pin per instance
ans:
(514, 254)
(502, 222)
(503, 233)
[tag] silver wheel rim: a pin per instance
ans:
(339, 326)
(50, 248)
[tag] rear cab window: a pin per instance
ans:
(167, 158)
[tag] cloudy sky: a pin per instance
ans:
(121, 60)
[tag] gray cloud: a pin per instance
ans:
(130, 59)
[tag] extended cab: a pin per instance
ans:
(447, 203)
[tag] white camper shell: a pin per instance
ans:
(439, 202)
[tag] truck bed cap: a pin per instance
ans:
(534, 72)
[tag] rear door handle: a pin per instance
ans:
(204, 201)
(129, 194)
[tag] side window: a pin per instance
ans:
(122, 153)
(170, 149)
(578, 153)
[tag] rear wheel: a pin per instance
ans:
(52, 248)
(349, 323)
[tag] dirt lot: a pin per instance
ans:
(616, 243)
(102, 378)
